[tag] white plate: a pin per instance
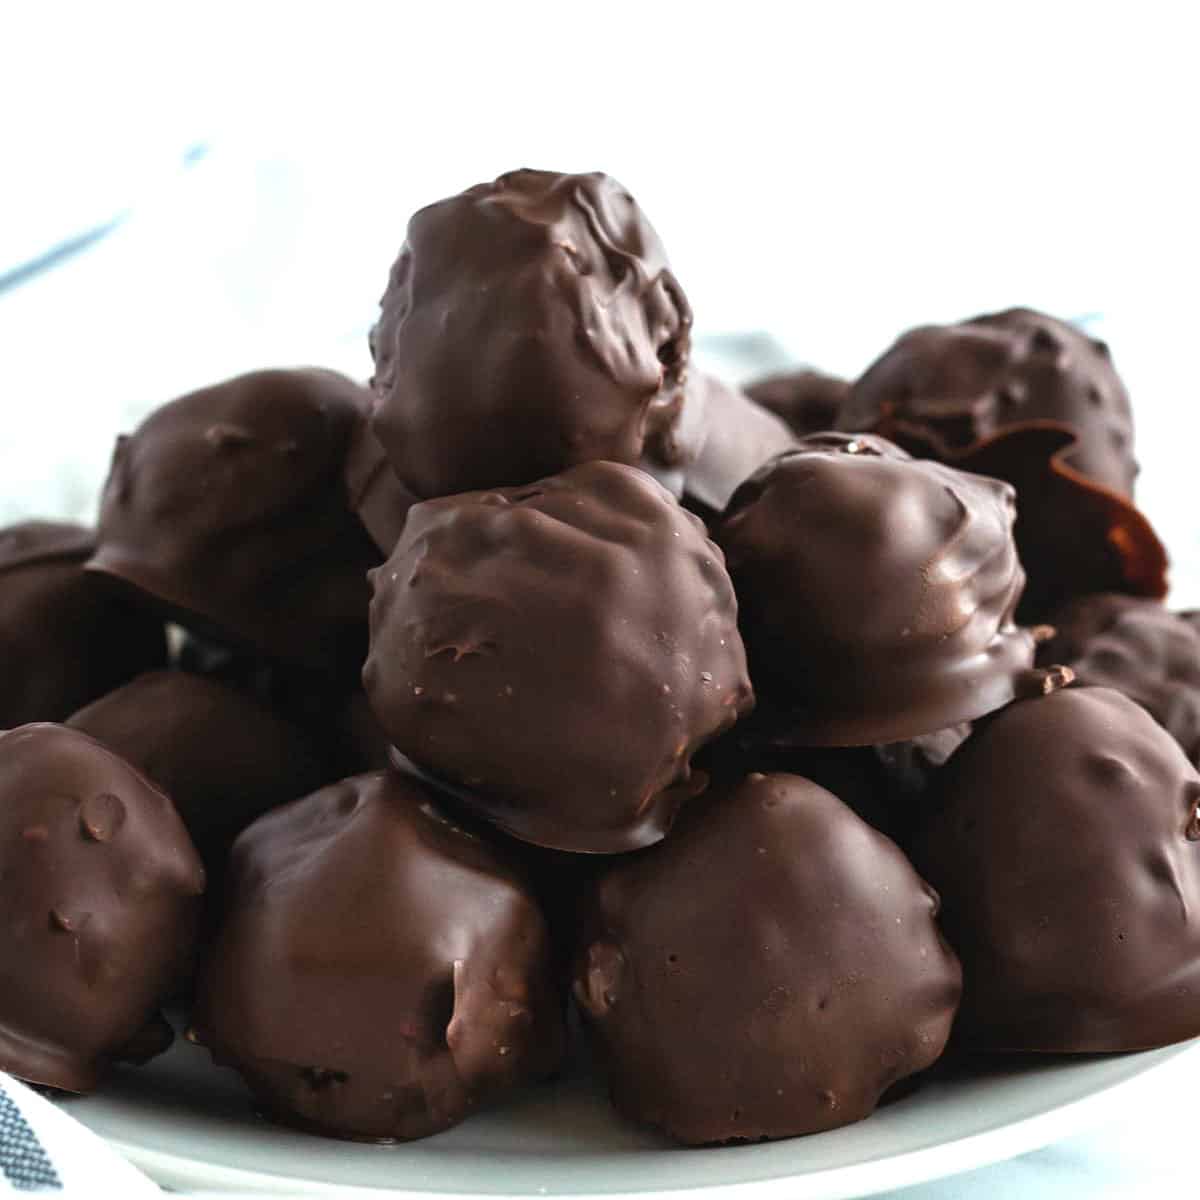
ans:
(189, 1125)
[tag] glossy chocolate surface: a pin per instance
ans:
(964, 383)
(1138, 648)
(529, 324)
(1065, 841)
(381, 973)
(66, 636)
(223, 758)
(560, 651)
(877, 592)
(229, 508)
(99, 891)
(769, 970)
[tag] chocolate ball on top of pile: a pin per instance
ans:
(548, 670)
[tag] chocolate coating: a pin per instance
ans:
(228, 507)
(221, 756)
(1064, 843)
(1075, 537)
(560, 651)
(769, 970)
(374, 491)
(529, 324)
(99, 888)
(415, 988)
(807, 401)
(1139, 649)
(877, 592)
(66, 637)
(964, 383)
(723, 437)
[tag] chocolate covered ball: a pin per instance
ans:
(381, 973)
(877, 592)
(1140, 649)
(963, 383)
(807, 401)
(223, 758)
(560, 651)
(228, 507)
(769, 970)
(1065, 841)
(529, 324)
(99, 888)
(66, 636)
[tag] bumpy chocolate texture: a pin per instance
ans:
(222, 757)
(99, 890)
(1063, 838)
(561, 651)
(769, 970)
(66, 636)
(381, 973)
(228, 507)
(807, 401)
(1137, 648)
(964, 383)
(877, 591)
(577, 336)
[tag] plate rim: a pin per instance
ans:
(846, 1182)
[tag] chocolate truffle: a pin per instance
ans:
(65, 636)
(529, 324)
(1063, 839)
(229, 508)
(877, 592)
(769, 970)
(1074, 536)
(807, 401)
(560, 650)
(381, 973)
(1138, 648)
(221, 756)
(965, 382)
(99, 888)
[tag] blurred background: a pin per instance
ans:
(192, 191)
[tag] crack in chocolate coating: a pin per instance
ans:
(768, 971)
(876, 591)
(560, 651)
(228, 507)
(66, 637)
(1063, 840)
(381, 973)
(807, 401)
(99, 891)
(223, 758)
(529, 324)
(1138, 648)
(964, 383)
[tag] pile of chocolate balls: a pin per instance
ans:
(797, 736)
